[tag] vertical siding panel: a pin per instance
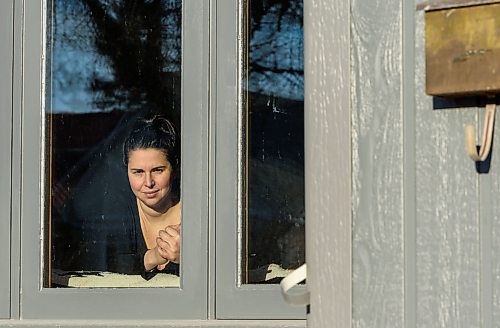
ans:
(328, 161)
(378, 249)
(490, 233)
(409, 162)
(448, 263)
(494, 221)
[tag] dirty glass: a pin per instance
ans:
(272, 244)
(109, 64)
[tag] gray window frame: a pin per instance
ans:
(235, 301)
(6, 24)
(328, 161)
(188, 301)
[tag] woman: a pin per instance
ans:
(152, 158)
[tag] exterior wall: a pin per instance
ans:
(425, 225)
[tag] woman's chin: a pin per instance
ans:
(155, 204)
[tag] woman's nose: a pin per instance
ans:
(149, 181)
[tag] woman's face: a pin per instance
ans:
(150, 175)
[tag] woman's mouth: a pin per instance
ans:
(151, 194)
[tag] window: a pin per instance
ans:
(217, 275)
(190, 298)
(272, 165)
(240, 134)
(108, 65)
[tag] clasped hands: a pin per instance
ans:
(167, 248)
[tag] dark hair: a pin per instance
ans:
(156, 132)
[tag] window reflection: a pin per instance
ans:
(111, 64)
(273, 85)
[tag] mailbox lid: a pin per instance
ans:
(463, 48)
(447, 4)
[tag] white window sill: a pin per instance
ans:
(156, 323)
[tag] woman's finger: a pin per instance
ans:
(172, 231)
(164, 244)
(177, 227)
(169, 235)
(168, 252)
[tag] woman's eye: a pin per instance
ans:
(158, 170)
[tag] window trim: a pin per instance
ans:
(190, 300)
(234, 301)
(6, 102)
(328, 161)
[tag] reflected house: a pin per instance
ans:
(89, 200)
(276, 182)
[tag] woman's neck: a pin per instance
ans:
(152, 214)
(158, 211)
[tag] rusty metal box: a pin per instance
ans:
(462, 47)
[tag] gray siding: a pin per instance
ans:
(377, 141)
(447, 228)
(425, 234)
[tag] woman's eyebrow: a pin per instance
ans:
(153, 168)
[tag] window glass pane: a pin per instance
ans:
(113, 77)
(273, 84)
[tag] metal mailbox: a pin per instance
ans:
(462, 47)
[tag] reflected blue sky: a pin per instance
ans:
(75, 62)
(276, 53)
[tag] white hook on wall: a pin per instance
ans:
(486, 140)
